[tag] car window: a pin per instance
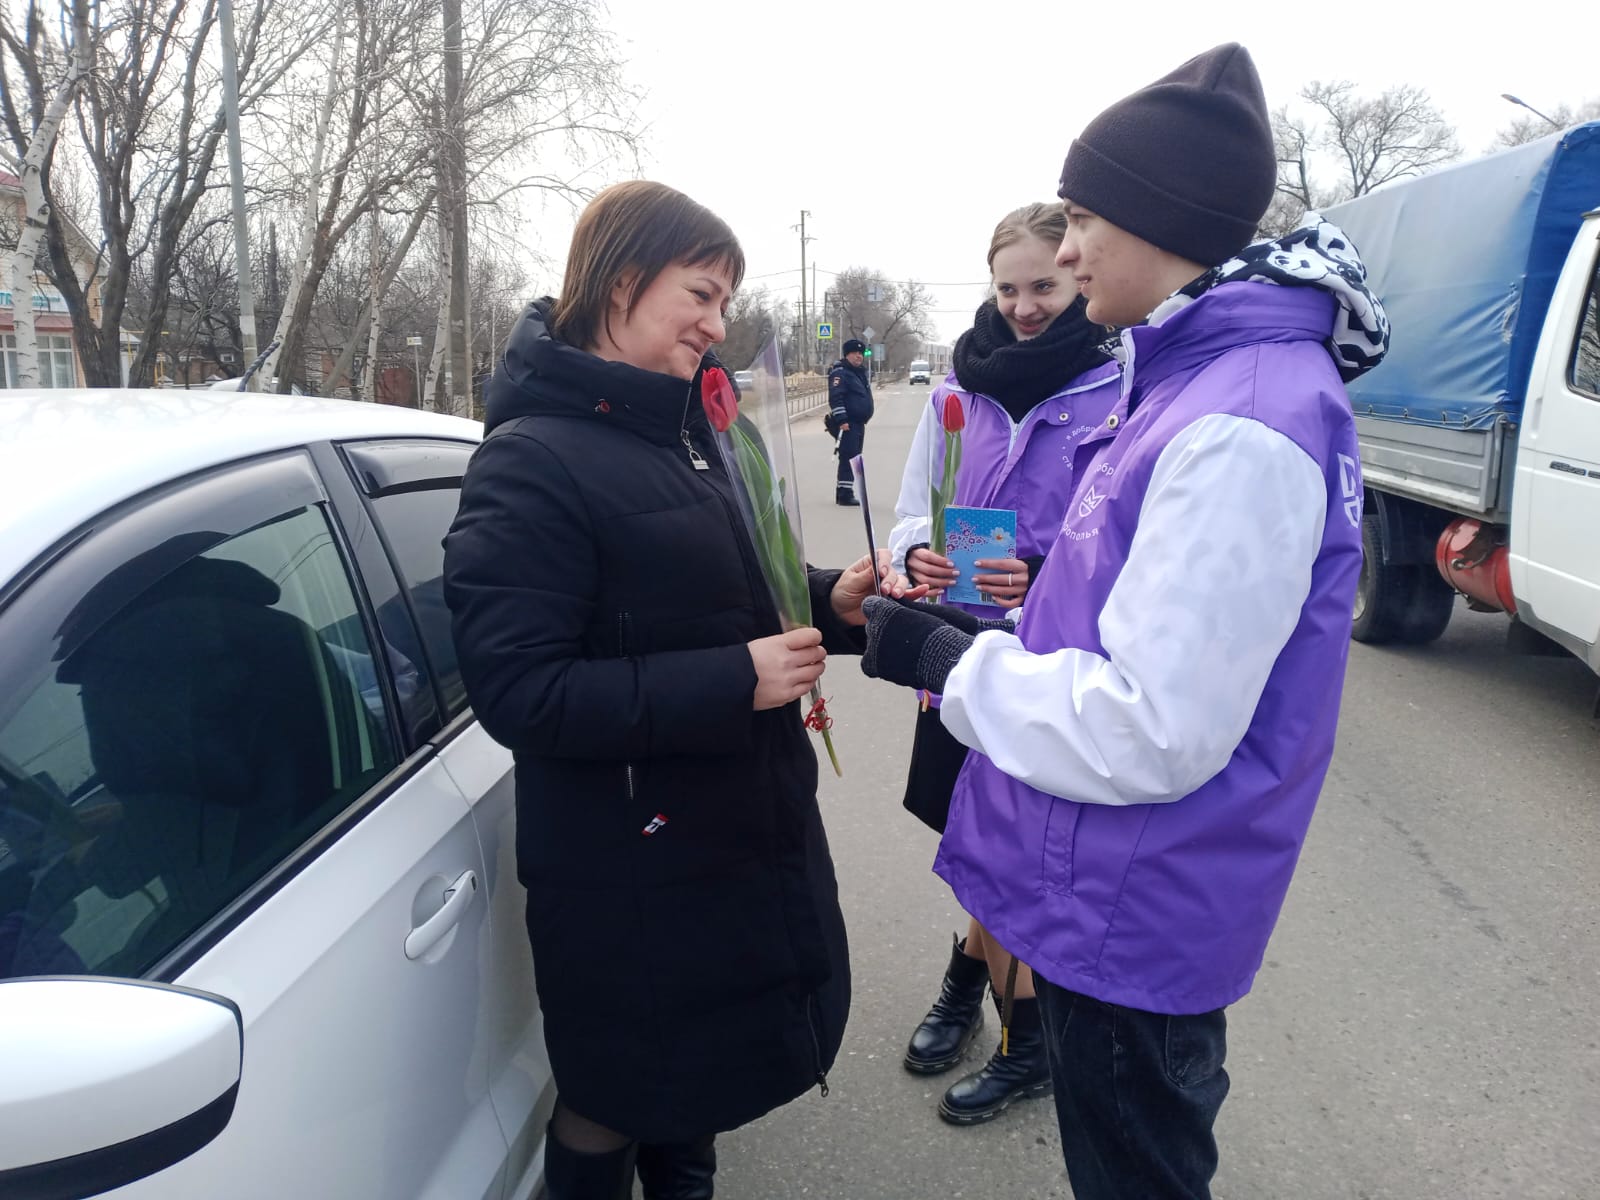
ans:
(156, 765)
(414, 525)
(414, 489)
(1584, 372)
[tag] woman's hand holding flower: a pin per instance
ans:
(857, 582)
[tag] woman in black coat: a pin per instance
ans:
(616, 633)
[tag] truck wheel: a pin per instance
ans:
(1429, 609)
(1384, 591)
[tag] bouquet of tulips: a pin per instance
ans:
(760, 460)
(954, 419)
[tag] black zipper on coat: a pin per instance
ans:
(760, 593)
(622, 652)
(816, 1043)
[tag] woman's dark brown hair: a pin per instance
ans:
(640, 227)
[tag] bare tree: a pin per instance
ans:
(35, 216)
(753, 317)
(148, 122)
(540, 90)
(1367, 141)
(202, 311)
(1400, 133)
(1530, 127)
(896, 311)
(1295, 144)
(386, 256)
(541, 97)
(367, 144)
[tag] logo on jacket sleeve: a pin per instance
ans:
(1092, 499)
(1350, 484)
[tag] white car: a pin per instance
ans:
(261, 934)
(918, 372)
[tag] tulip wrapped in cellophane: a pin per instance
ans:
(752, 431)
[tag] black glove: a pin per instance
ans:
(911, 644)
(959, 617)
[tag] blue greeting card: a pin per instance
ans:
(974, 533)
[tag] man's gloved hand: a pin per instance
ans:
(915, 645)
(963, 620)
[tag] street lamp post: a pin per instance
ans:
(1554, 124)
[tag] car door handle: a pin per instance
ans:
(457, 897)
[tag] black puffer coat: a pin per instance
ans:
(687, 939)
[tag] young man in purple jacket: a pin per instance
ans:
(1151, 738)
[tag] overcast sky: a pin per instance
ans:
(907, 129)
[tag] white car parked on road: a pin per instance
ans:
(261, 934)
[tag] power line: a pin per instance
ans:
(903, 282)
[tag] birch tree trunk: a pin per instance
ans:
(368, 327)
(300, 266)
(36, 211)
(434, 391)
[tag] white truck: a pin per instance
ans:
(1480, 432)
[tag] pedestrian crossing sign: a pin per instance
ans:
(824, 330)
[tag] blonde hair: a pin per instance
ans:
(1047, 222)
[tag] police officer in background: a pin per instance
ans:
(850, 401)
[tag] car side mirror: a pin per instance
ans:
(106, 1081)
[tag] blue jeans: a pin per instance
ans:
(1137, 1094)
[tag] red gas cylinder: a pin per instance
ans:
(1473, 559)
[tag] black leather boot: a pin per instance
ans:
(1020, 1075)
(678, 1170)
(955, 1018)
(572, 1175)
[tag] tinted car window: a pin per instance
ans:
(171, 755)
(414, 525)
(414, 489)
(1585, 370)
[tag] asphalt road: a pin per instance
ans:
(1425, 1023)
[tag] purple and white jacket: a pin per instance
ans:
(1028, 466)
(1152, 739)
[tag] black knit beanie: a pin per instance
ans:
(1187, 163)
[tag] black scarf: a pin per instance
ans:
(1019, 375)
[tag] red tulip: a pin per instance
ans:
(716, 394)
(955, 417)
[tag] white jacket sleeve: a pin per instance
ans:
(914, 526)
(1216, 576)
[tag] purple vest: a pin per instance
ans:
(1031, 472)
(1168, 907)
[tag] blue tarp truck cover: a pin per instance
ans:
(1465, 260)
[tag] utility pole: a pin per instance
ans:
(822, 311)
(807, 333)
(241, 222)
(454, 199)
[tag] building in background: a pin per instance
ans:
(58, 351)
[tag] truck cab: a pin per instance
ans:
(918, 372)
(1554, 547)
(1480, 430)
